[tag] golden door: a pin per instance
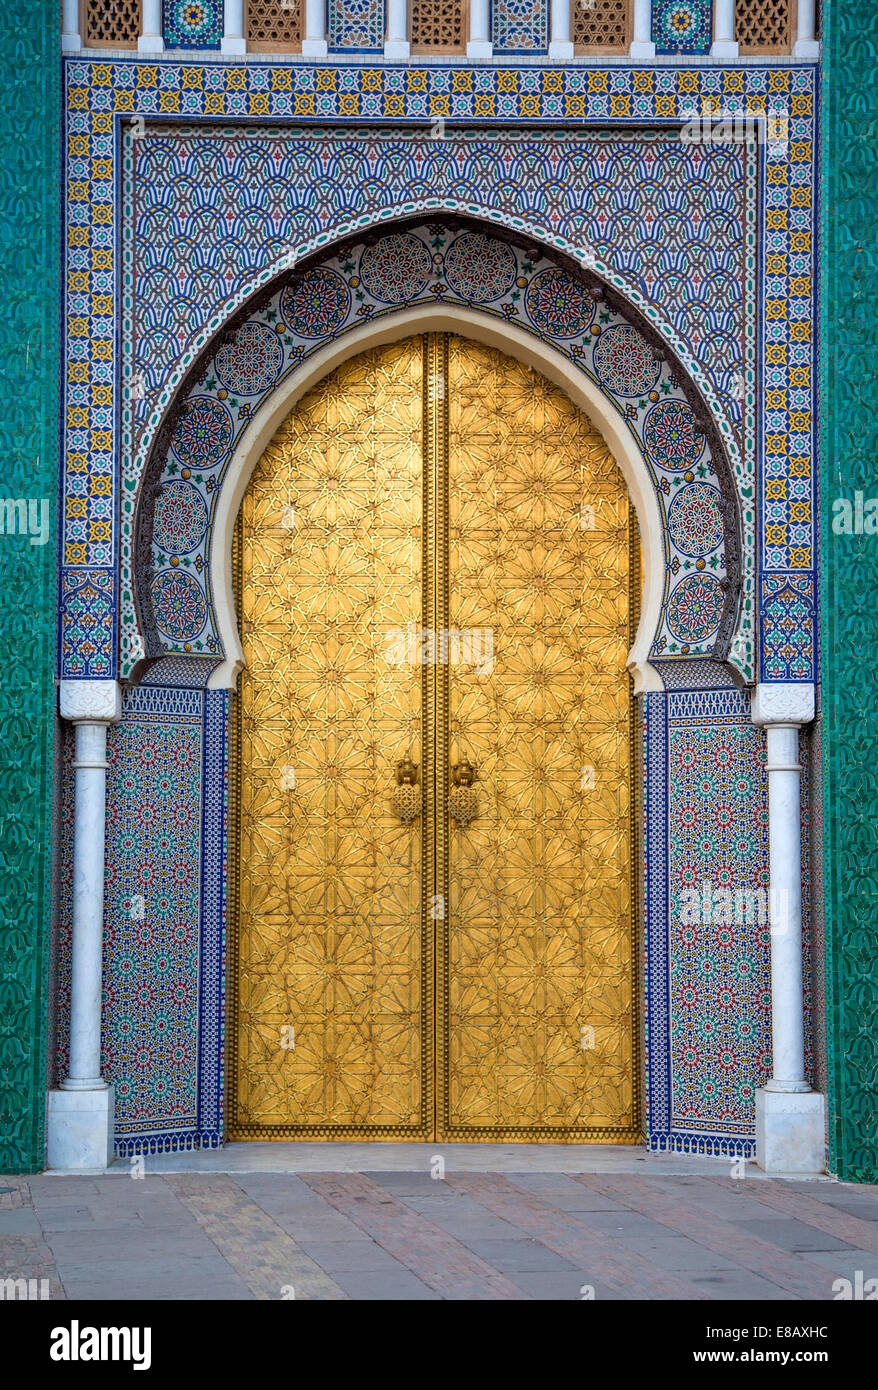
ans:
(436, 562)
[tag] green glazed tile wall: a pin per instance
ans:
(849, 313)
(29, 210)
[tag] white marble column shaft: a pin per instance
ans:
(479, 44)
(396, 41)
(71, 39)
(724, 44)
(560, 42)
(642, 45)
(789, 1115)
(314, 43)
(151, 40)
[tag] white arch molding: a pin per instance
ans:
(514, 342)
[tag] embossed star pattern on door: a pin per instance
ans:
(434, 979)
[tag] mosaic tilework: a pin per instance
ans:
(163, 1006)
(29, 145)
(192, 23)
(849, 579)
(169, 288)
(708, 1013)
(520, 26)
(614, 95)
(425, 265)
(355, 25)
(787, 617)
(682, 26)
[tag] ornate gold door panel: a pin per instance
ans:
(433, 564)
(536, 1008)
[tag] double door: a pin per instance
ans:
(433, 930)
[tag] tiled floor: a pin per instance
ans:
(400, 1233)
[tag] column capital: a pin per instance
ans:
(91, 702)
(783, 703)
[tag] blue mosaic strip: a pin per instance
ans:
(706, 829)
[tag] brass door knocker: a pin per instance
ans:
(406, 795)
(463, 799)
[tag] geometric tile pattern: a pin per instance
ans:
(707, 974)
(99, 94)
(429, 264)
(29, 145)
(164, 911)
(356, 25)
(520, 26)
(787, 615)
(608, 175)
(682, 26)
(192, 23)
(849, 569)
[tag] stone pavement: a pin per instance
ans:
(510, 1233)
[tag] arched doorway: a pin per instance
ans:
(437, 561)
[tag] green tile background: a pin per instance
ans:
(29, 209)
(849, 581)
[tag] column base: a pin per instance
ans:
(641, 48)
(561, 50)
(71, 43)
(790, 1134)
(482, 50)
(314, 48)
(807, 49)
(234, 44)
(397, 48)
(724, 49)
(150, 43)
(80, 1129)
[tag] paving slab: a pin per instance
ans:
(344, 1228)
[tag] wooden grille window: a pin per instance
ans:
(764, 26)
(111, 23)
(439, 26)
(601, 26)
(275, 26)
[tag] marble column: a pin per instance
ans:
(71, 39)
(725, 45)
(806, 45)
(789, 1115)
(314, 43)
(80, 1112)
(151, 40)
(396, 41)
(479, 45)
(560, 43)
(233, 40)
(642, 45)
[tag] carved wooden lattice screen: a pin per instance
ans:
(764, 26)
(601, 26)
(110, 23)
(438, 26)
(274, 26)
